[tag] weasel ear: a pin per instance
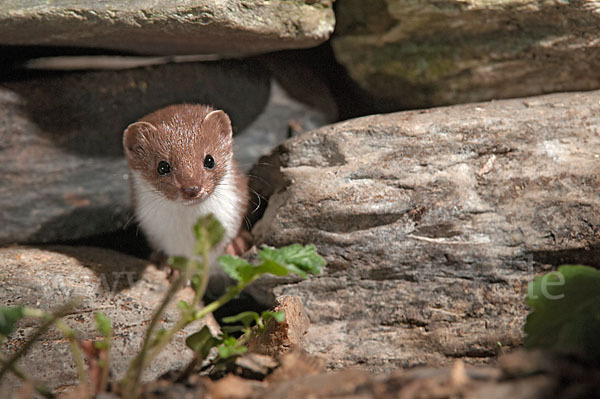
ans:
(219, 121)
(133, 136)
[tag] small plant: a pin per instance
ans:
(228, 346)
(566, 311)
(294, 259)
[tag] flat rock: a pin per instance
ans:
(433, 222)
(65, 176)
(126, 289)
(411, 54)
(153, 27)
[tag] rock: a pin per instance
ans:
(147, 27)
(65, 176)
(432, 223)
(279, 338)
(124, 288)
(419, 54)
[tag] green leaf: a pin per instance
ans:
(103, 324)
(232, 329)
(246, 318)
(102, 345)
(271, 267)
(9, 316)
(178, 262)
(295, 258)
(208, 230)
(279, 262)
(236, 267)
(231, 347)
(202, 341)
(196, 282)
(268, 315)
(566, 311)
(184, 306)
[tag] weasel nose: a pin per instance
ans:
(191, 192)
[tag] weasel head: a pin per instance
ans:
(183, 151)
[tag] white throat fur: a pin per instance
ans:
(168, 224)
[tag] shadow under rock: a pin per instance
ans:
(577, 256)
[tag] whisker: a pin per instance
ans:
(129, 219)
(258, 196)
(260, 179)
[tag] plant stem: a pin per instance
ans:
(226, 297)
(151, 349)
(188, 316)
(105, 365)
(134, 372)
(76, 352)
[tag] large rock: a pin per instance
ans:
(412, 54)
(65, 176)
(154, 27)
(432, 223)
(124, 288)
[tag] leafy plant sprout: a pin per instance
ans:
(293, 259)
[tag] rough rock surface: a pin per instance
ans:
(156, 27)
(280, 338)
(64, 171)
(126, 289)
(412, 54)
(432, 223)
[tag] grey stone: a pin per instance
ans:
(64, 173)
(126, 289)
(433, 222)
(413, 54)
(155, 27)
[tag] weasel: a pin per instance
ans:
(182, 168)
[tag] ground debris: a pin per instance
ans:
(522, 374)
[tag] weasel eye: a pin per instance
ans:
(209, 162)
(163, 168)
